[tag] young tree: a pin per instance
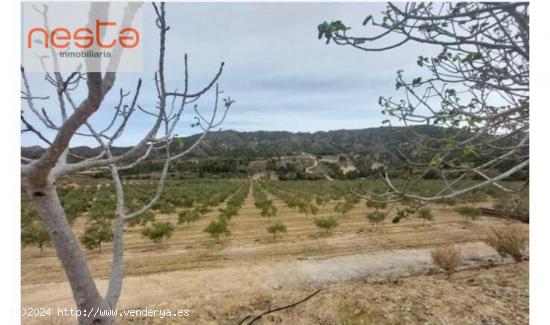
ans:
(39, 176)
(188, 216)
(425, 214)
(343, 207)
(217, 228)
(276, 228)
(376, 217)
(321, 200)
(97, 231)
(307, 207)
(229, 211)
(327, 223)
(473, 98)
(143, 219)
(166, 208)
(469, 213)
(268, 209)
(158, 231)
(33, 233)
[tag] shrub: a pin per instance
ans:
(327, 223)
(425, 214)
(352, 199)
(468, 212)
(97, 231)
(508, 241)
(307, 207)
(188, 216)
(448, 258)
(187, 203)
(218, 227)
(229, 211)
(343, 207)
(277, 227)
(376, 217)
(203, 209)
(166, 208)
(143, 219)
(158, 231)
(269, 210)
(321, 200)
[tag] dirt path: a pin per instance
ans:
(309, 170)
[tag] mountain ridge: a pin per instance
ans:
(232, 143)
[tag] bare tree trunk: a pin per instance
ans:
(88, 300)
(117, 271)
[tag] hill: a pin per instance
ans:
(268, 144)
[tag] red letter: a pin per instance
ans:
(89, 38)
(37, 29)
(98, 25)
(55, 37)
(122, 39)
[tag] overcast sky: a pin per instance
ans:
(281, 75)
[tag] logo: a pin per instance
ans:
(85, 36)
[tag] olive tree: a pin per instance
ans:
(158, 231)
(276, 228)
(218, 227)
(39, 176)
(376, 218)
(97, 231)
(33, 233)
(471, 98)
(327, 223)
(468, 212)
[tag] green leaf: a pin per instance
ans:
(337, 25)
(437, 160)
(471, 57)
(469, 150)
(451, 92)
(322, 29)
(366, 21)
(398, 85)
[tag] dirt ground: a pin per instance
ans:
(367, 276)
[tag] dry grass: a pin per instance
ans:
(508, 241)
(448, 258)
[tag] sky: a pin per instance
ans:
(281, 75)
